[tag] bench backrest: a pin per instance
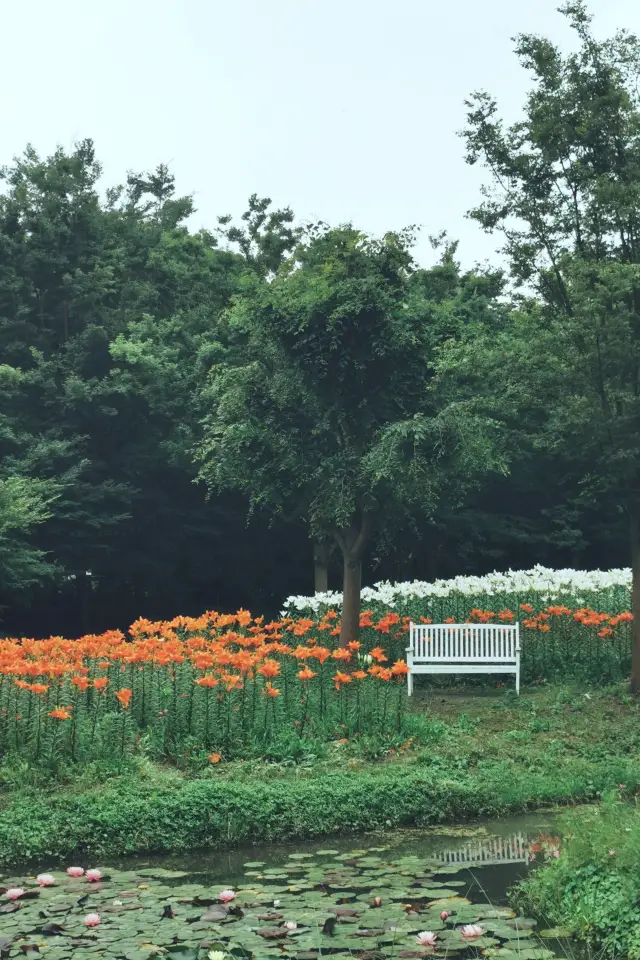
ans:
(470, 642)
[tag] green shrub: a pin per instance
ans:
(592, 888)
(132, 816)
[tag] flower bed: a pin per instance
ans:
(608, 589)
(206, 688)
(202, 690)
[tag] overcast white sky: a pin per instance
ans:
(346, 110)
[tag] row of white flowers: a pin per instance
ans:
(551, 583)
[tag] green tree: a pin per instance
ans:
(265, 237)
(25, 500)
(323, 404)
(565, 194)
(76, 273)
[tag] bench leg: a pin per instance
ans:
(409, 684)
(518, 682)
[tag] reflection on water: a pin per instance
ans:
(490, 852)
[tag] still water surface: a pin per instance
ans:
(493, 854)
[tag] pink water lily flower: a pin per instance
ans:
(14, 893)
(93, 875)
(426, 938)
(92, 920)
(226, 896)
(472, 930)
(75, 871)
(45, 880)
(444, 915)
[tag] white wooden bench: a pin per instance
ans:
(463, 648)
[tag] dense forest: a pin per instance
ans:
(195, 420)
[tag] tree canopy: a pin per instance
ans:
(564, 193)
(184, 412)
(324, 404)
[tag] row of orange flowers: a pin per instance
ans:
(216, 655)
(584, 616)
(226, 649)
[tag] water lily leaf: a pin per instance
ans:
(528, 953)
(214, 914)
(451, 902)
(433, 893)
(207, 902)
(490, 912)
(557, 933)
(273, 933)
(240, 952)
(508, 933)
(180, 952)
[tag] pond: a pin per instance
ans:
(400, 894)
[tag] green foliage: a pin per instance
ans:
(23, 505)
(592, 888)
(128, 816)
(299, 421)
(564, 195)
(324, 406)
(432, 772)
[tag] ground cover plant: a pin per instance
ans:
(590, 884)
(481, 754)
(360, 903)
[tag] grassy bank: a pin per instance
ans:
(131, 817)
(466, 756)
(591, 889)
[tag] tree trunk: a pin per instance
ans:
(352, 542)
(352, 582)
(321, 554)
(635, 601)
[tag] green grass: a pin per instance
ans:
(460, 756)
